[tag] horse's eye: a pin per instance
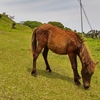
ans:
(88, 74)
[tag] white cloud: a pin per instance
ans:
(67, 11)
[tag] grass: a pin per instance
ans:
(16, 82)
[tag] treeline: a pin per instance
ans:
(33, 24)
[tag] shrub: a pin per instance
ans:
(58, 24)
(0, 15)
(13, 25)
(32, 24)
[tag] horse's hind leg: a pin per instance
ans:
(45, 53)
(73, 61)
(35, 56)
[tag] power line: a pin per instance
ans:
(84, 14)
(73, 16)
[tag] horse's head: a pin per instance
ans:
(87, 72)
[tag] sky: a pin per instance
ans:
(65, 11)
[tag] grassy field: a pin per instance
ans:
(16, 82)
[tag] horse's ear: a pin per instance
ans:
(96, 63)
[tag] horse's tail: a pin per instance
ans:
(34, 41)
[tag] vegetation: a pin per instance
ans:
(13, 25)
(66, 28)
(58, 24)
(16, 82)
(0, 15)
(32, 24)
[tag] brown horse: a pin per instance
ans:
(63, 42)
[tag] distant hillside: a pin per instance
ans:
(6, 25)
(5, 22)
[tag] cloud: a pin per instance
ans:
(67, 11)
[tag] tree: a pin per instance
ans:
(58, 24)
(32, 24)
(13, 25)
(0, 15)
(66, 28)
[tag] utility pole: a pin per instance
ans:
(81, 17)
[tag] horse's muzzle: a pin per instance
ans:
(86, 85)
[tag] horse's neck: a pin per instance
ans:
(84, 55)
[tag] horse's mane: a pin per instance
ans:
(86, 57)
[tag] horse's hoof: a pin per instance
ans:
(78, 83)
(34, 74)
(49, 70)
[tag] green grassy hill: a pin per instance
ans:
(16, 82)
(6, 25)
(5, 21)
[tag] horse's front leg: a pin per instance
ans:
(73, 60)
(35, 56)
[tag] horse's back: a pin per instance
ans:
(59, 40)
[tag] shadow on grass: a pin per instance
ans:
(53, 75)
